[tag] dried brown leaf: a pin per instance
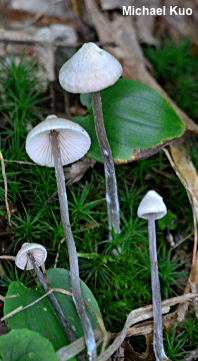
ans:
(145, 23)
(44, 53)
(119, 354)
(169, 320)
(78, 169)
(178, 22)
(131, 355)
(188, 172)
(139, 315)
(125, 33)
(195, 300)
(114, 4)
(57, 8)
(181, 311)
(185, 166)
(192, 355)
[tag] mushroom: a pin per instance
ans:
(56, 142)
(151, 208)
(39, 252)
(90, 70)
(32, 256)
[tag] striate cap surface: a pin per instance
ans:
(152, 203)
(89, 70)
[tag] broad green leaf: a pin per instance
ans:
(41, 317)
(138, 122)
(24, 345)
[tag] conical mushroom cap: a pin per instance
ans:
(74, 141)
(38, 251)
(152, 203)
(89, 70)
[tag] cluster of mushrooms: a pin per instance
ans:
(56, 142)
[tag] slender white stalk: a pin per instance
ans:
(110, 176)
(73, 257)
(156, 294)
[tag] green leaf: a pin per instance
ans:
(166, 221)
(86, 100)
(41, 317)
(24, 345)
(138, 122)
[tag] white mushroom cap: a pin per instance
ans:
(152, 203)
(89, 70)
(74, 141)
(38, 251)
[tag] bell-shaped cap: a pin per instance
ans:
(89, 70)
(152, 203)
(39, 252)
(74, 141)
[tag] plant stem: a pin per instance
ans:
(73, 257)
(110, 176)
(156, 295)
(66, 326)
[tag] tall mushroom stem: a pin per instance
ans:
(73, 258)
(66, 326)
(110, 176)
(156, 294)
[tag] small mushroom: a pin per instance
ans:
(74, 141)
(56, 142)
(151, 208)
(90, 70)
(32, 256)
(39, 252)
